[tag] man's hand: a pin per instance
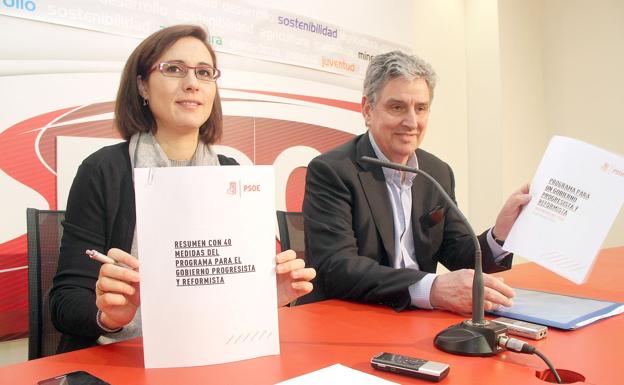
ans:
(453, 291)
(510, 211)
(293, 278)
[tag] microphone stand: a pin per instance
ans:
(476, 336)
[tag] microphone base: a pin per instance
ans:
(469, 339)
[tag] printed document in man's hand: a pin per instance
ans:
(206, 240)
(576, 194)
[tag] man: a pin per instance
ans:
(376, 235)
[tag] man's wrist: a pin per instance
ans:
(420, 291)
(500, 242)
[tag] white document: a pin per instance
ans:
(336, 374)
(206, 238)
(576, 194)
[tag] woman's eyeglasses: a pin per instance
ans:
(204, 73)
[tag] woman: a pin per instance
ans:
(169, 111)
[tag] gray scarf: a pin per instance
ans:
(146, 152)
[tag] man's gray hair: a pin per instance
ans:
(392, 65)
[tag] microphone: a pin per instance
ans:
(477, 336)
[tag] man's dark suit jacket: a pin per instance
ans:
(349, 229)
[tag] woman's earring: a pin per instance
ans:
(145, 102)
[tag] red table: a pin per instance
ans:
(318, 335)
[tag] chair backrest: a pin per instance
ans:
(290, 226)
(44, 241)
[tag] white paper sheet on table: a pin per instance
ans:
(336, 374)
(206, 238)
(576, 192)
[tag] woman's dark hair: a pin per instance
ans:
(131, 116)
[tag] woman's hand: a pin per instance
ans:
(293, 278)
(117, 290)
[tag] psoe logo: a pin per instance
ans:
(251, 188)
(609, 169)
(22, 5)
(232, 190)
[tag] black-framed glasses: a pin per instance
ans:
(204, 73)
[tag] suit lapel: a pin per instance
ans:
(374, 186)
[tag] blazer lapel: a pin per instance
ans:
(374, 186)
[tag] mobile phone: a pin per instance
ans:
(523, 328)
(410, 366)
(74, 378)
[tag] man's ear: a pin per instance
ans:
(366, 108)
(142, 87)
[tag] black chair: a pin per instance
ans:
(290, 225)
(44, 241)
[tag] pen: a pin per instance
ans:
(96, 255)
